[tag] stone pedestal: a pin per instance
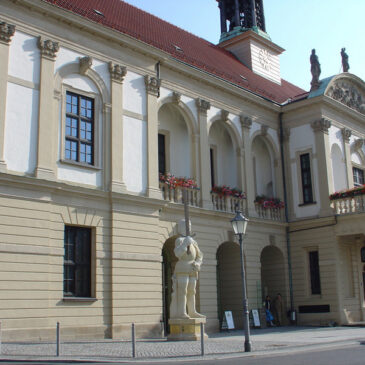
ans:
(185, 329)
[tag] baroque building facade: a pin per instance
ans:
(102, 105)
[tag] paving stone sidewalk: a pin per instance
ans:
(228, 343)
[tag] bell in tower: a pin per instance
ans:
(241, 15)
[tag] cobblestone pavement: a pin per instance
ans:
(263, 341)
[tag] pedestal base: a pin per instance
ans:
(185, 329)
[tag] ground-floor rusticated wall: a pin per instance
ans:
(338, 242)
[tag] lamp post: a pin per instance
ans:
(239, 224)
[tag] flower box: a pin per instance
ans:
(348, 193)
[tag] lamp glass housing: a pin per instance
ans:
(239, 223)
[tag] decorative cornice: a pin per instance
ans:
(117, 72)
(202, 105)
(85, 64)
(176, 97)
(48, 48)
(346, 134)
(6, 32)
(321, 125)
(224, 115)
(264, 129)
(246, 122)
(152, 85)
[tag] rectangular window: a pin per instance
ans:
(77, 262)
(358, 176)
(161, 153)
(305, 168)
(314, 272)
(79, 136)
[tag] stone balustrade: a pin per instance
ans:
(274, 214)
(355, 204)
(175, 195)
(227, 203)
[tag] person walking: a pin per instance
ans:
(269, 316)
(278, 310)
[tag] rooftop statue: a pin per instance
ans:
(345, 60)
(315, 70)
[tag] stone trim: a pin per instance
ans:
(346, 134)
(85, 64)
(152, 85)
(117, 72)
(48, 48)
(202, 105)
(321, 125)
(246, 122)
(6, 32)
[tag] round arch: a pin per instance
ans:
(74, 68)
(273, 278)
(229, 282)
(185, 111)
(231, 128)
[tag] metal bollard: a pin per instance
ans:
(133, 341)
(0, 338)
(202, 339)
(58, 339)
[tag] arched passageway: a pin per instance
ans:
(273, 279)
(229, 283)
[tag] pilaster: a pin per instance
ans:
(346, 134)
(249, 181)
(117, 74)
(6, 32)
(204, 158)
(47, 126)
(323, 152)
(153, 91)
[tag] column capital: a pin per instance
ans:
(346, 134)
(48, 48)
(202, 105)
(117, 72)
(357, 145)
(246, 122)
(321, 125)
(6, 32)
(85, 64)
(152, 85)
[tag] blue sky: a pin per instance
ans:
(296, 25)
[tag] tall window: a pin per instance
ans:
(358, 176)
(77, 262)
(212, 163)
(306, 178)
(161, 153)
(79, 143)
(314, 272)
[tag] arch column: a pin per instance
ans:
(249, 180)
(153, 91)
(117, 74)
(6, 32)
(47, 136)
(323, 152)
(346, 134)
(203, 106)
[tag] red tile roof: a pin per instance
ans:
(195, 51)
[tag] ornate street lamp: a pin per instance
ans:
(239, 224)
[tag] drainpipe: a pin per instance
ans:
(288, 246)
